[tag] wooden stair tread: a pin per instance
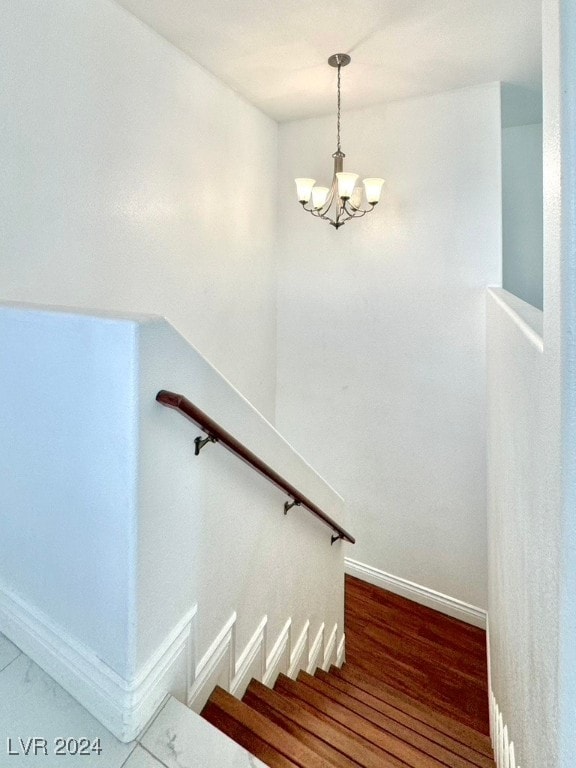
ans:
(414, 619)
(402, 750)
(383, 597)
(462, 699)
(435, 733)
(387, 643)
(413, 648)
(401, 730)
(243, 736)
(349, 743)
(388, 629)
(415, 708)
(341, 748)
(472, 666)
(238, 720)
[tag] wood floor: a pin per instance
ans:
(413, 692)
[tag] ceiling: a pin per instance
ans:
(274, 52)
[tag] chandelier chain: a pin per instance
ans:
(338, 122)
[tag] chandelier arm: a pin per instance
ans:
(346, 218)
(357, 213)
(331, 194)
(321, 212)
(337, 212)
(323, 216)
(349, 211)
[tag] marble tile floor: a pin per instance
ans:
(32, 705)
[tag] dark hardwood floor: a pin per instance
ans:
(412, 694)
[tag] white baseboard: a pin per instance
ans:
(122, 706)
(278, 659)
(450, 606)
(504, 750)
(216, 667)
(489, 665)
(316, 655)
(299, 655)
(330, 650)
(341, 652)
(252, 661)
(502, 744)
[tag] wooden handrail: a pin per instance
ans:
(217, 434)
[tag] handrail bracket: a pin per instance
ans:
(337, 537)
(199, 443)
(288, 505)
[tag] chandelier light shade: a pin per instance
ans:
(344, 199)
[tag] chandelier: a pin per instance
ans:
(343, 200)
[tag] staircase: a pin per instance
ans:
(412, 693)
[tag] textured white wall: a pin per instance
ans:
(532, 412)
(68, 441)
(560, 190)
(211, 530)
(522, 214)
(134, 180)
(523, 530)
(381, 374)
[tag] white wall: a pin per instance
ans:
(134, 180)
(211, 529)
(532, 412)
(523, 530)
(68, 435)
(381, 373)
(522, 213)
